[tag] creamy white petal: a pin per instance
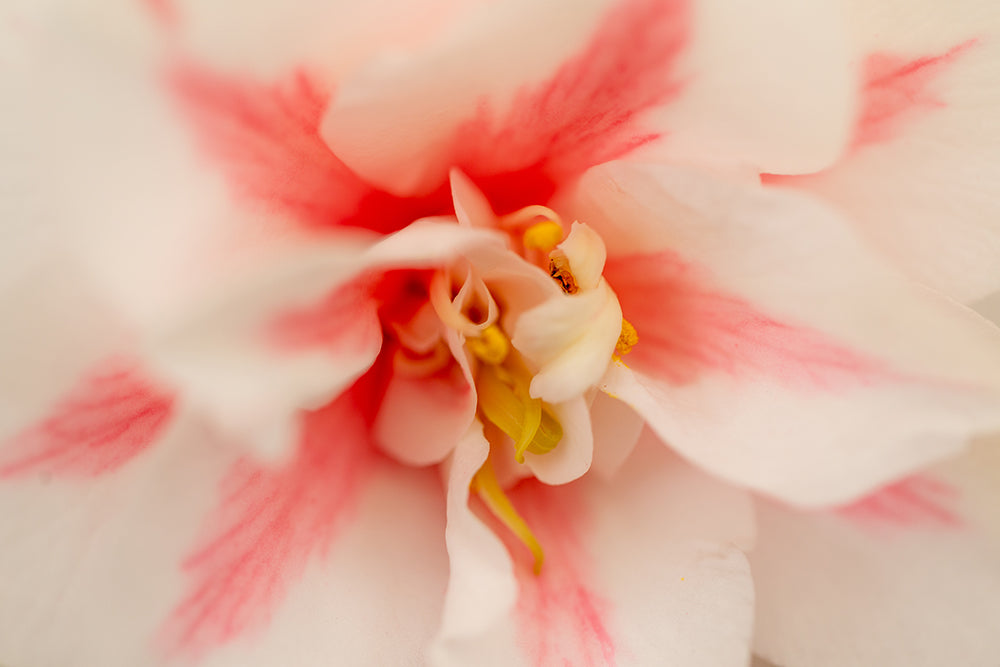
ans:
(910, 576)
(570, 338)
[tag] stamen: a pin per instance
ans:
(491, 347)
(485, 484)
(627, 340)
(543, 236)
(504, 401)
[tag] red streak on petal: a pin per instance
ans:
(584, 114)
(265, 136)
(895, 87)
(685, 328)
(560, 619)
(270, 522)
(108, 418)
(917, 501)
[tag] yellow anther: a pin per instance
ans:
(627, 339)
(491, 346)
(485, 484)
(543, 236)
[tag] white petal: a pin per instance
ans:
(616, 428)
(779, 351)
(572, 456)
(910, 576)
(481, 587)
(586, 255)
(919, 182)
(570, 338)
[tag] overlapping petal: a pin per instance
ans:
(776, 349)
(593, 602)
(907, 576)
(918, 181)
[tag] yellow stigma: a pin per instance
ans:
(543, 236)
(491, 346)
(485, 484)
(504, 401)
(627, 339)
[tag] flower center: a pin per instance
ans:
(504, 369)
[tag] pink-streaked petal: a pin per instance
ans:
(895, 87)
(520, 120)
(116, 539)
(917, 582)
(269, 524)
(688, 328)
(392, 549)
(113, 414)
(265, 139)
(814, 388)
(625, 587)
(919, 181)
(914, 501)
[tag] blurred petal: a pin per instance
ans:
(111, 415)
(782, 355)
(908, 577)
(919, 182)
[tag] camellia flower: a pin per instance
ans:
(552, 332)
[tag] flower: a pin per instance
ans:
(280, 279)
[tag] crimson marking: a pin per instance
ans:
(269, 523)
(107, 419)
(913, 502)
(685, 328)
(266, 135)
(894, 87)
(267, 138)
(584, 114)
(560, 619)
